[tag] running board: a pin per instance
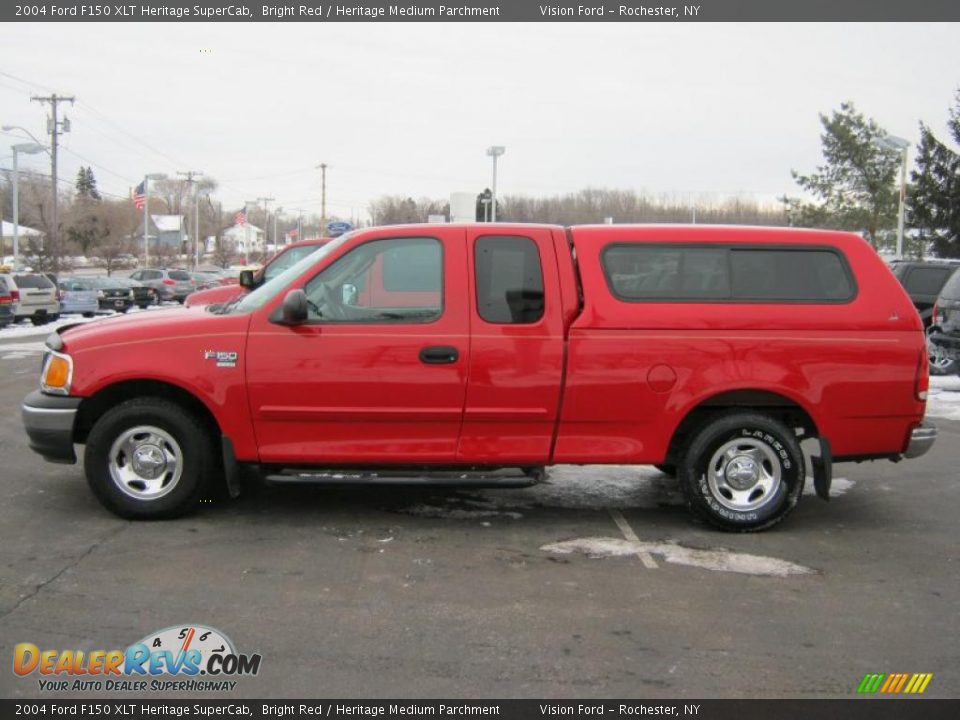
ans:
(506, 478)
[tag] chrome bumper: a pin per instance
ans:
(48, 421)
(921, 440)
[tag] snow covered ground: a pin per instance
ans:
(944, 398)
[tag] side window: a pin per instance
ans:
(136, 275)
(394, 280)
(509, 279)
(801, 275)
(927, 280)
(667, 272)
(287, 260)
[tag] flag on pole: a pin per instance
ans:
(139, 199)
(241, 217)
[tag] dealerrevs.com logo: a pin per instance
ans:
(188, 658)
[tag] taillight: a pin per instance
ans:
(939, 317)
(922, 383)
(14, 296)
(169, 282)
(6, 300)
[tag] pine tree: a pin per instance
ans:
(857, 186)
(92, 185)
(933, 206)
(86, 184)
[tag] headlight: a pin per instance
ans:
(57, 373)
(100, 295)
(130, 294)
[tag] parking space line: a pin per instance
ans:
(631, 536)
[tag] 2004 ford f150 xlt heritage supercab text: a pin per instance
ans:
(482, 353)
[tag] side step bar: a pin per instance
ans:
(503, 478)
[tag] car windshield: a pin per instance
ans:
(180, 275)
(38, 282)
(75, 285)
(286, 260)
(266, 292)
(106, 282)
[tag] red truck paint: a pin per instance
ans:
(595, 380)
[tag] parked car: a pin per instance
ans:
(113, 294)
(143, 295)
(946, 323)
(713, 351)
(6, 304)
(78, 296)
(34, 297)
(204, 281)
(169, 284)
(250, 280)
(923, 280)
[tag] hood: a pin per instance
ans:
(150, 326)
(223, 293)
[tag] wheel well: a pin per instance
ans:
(769, 403)
(96, 405)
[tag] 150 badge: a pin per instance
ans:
(224, 359)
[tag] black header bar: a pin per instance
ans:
(483, 11)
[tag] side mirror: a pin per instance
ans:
(246, 279)
(295, 307)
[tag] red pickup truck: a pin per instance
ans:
(482, 353)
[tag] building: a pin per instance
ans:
(168, 232)
(246, 239)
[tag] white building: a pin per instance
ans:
(245, 238)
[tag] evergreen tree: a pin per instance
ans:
(86, 184)
(933, 206)
(857, 186)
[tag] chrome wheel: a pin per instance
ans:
(743, 474)
(940, 362)
(145, 462)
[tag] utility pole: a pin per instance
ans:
(189, 175)
(275, 214)
(266, 200)
(246, 230)
(53, 128)
(323, 198)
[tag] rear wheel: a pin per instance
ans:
(940, 362)
(149, 458)
(742, 471)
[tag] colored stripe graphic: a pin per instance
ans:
(894, 683)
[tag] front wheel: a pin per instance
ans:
(742, 472)
(148, 458)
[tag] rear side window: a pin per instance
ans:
(179, 275)
(721, 273)
(33, 282)
(927, 280)
(952, 288)
(509, 280)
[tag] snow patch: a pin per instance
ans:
(719, 559)
(943, 400)
(839, 486)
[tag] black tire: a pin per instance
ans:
(758, 446)
(54, 317)
(198, 458)
(669, 470)
(89, 314)
(38, 320)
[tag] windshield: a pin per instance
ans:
(287, 259)
(269, 290)
(951, 290)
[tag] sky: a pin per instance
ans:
(693, 111)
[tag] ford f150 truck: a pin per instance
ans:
(459, 353)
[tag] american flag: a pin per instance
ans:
(241, 217)
(138, 197)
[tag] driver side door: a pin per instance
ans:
(377, 374)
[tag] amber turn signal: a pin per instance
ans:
(56, 374)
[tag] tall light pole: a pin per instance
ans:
(146, 214)
(246, 230)
(892, 142)
(323, 198)
(494, 151)
(275, 213)
(26, 149)
(190, 175)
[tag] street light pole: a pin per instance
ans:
(146, 214)
(28, 149)
(892, 142)
(494, 151)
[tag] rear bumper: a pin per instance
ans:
(921, 440)
(49, 420)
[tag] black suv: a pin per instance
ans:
(945, 332)
(924, 280)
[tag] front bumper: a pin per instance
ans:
(48, 420)
(921, 440)
(949, 343)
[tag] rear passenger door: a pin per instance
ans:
(516, 354)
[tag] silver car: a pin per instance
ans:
(34, 297)
(169, 284)
(78, 295)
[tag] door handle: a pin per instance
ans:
(439, 355)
